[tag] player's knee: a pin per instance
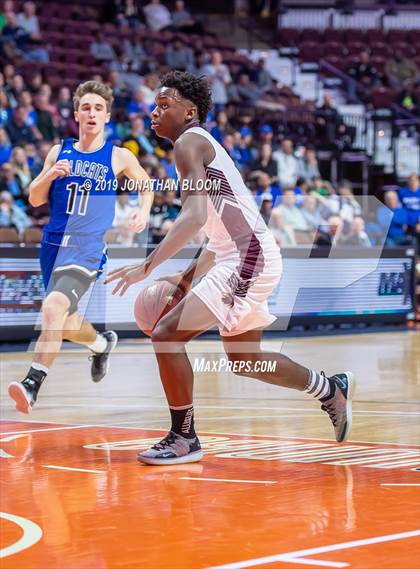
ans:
(54, 307)
(164, 332)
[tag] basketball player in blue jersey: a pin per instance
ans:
(241, 265)
(79, 180)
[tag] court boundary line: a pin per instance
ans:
(145, 428)
(212, 407)
(45, 430)
(228, 480)
(73, 469)
(300, 556)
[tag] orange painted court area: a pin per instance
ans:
(75, 497)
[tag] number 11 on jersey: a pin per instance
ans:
(73, 189)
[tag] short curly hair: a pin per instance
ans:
(195, 89)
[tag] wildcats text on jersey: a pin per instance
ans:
(88, 169)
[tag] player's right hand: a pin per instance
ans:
(61, 168)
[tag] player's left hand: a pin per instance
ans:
(128, 275)
(138, 220)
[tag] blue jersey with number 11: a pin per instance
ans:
(83, 202)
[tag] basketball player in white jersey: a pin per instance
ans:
(241, 265)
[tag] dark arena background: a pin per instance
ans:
(317, 102)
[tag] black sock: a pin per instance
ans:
(34, 378)
(183, 421)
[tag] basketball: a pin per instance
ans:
(153, 303)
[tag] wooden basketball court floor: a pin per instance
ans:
(274, 489)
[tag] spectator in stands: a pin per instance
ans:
(261, 77)
(221, 127)
(266, 134)
(43, 149)
(5, 147)
(157, 216)
(407, 97)
(311, 212)
(44, 119)
(5, 108)
(232, 150)
(282, 233)
(158, 17)
(173, 205)
(410, 198)
(308, 165)
(137, 56)
(321, 187)
(292, 215)
(219, 78)
(28, 20)
(331, 128)
(14, 35)
(168, 162)
(25, 101)
(265, 162)
(264, 186)
(101, 49)
(266, 207)
(138, 134)
(20, 166)
(183, 21)
(137, 105)
(64, 108)
(149, 88)
(363, 72)
(14, 89)
(8, 6)
(25, 44)
(123, 209)
(246, 91)
(344, 204)
(287, 164)
(394, 220)
(35, 83)
(357, 236)
(17, 129)
(11, 184)
(179, 56)
(129, 14)
(11, 215)
(400, 69)
(330, 234)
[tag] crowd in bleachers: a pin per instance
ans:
(282, 172)
(383, 67)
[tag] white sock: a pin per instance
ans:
(99, 345)
(40, 367)
(318, 385)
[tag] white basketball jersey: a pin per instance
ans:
(235, 229)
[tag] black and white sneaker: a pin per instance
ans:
(338, 404)
(173, 449)
(24, 394)
(100, 362)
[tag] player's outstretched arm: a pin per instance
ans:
(190, 162)
(131, 168)
(40, 186)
